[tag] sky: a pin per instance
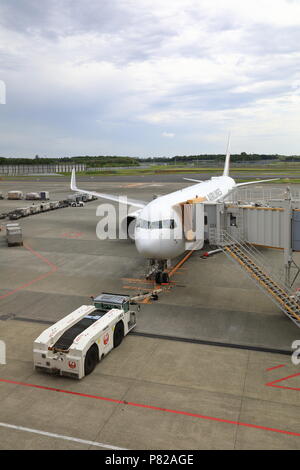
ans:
(148, 78)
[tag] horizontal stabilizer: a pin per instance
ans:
(256, 182)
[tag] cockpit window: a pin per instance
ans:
(141, 223)
(157, 224)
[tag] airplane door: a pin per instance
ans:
(193, 226)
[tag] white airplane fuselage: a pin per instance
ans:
(161, 231)
(159, 226)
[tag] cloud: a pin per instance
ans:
(109, 77)
(169, 135)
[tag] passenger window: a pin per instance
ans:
(168, 224)
(141, 223)
(156, 224)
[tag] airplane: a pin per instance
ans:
(159, 226)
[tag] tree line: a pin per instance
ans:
(110, 161)
(91, 161)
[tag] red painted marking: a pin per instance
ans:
(272, 384)
(106, 338)
(36, 279)
(155, 408)
(276, 367)
(72, 234)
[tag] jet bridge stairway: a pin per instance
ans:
(251, 261)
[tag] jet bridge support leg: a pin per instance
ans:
(289, 263)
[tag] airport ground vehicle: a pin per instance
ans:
(77, 204)
(14, 235)
(54, 205)
(45, 206)
(34, 209)
(14, 195)
(24, 211)
(44, 195)
(74, 345)
(63, 203)
(32, 196)
(14, 215)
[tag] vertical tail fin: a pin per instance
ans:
(227, 159)
(73, 181)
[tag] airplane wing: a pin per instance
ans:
(256, 182)
(110, 197)
(191, 179)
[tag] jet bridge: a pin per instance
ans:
(238, 226)
(274, 223)
(267, 226)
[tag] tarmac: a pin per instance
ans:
(198, 371)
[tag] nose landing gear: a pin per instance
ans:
(162, 277)
(157, 271)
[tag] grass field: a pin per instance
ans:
(261, 172)
(292, 170)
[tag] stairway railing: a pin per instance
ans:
(269, 283)
(261, 260)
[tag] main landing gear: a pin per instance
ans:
(157, 271)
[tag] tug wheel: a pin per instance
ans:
(91, 359)
(118, 333)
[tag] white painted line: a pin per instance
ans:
(60, 436)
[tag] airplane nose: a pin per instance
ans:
(147, 248)
(158, 248)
